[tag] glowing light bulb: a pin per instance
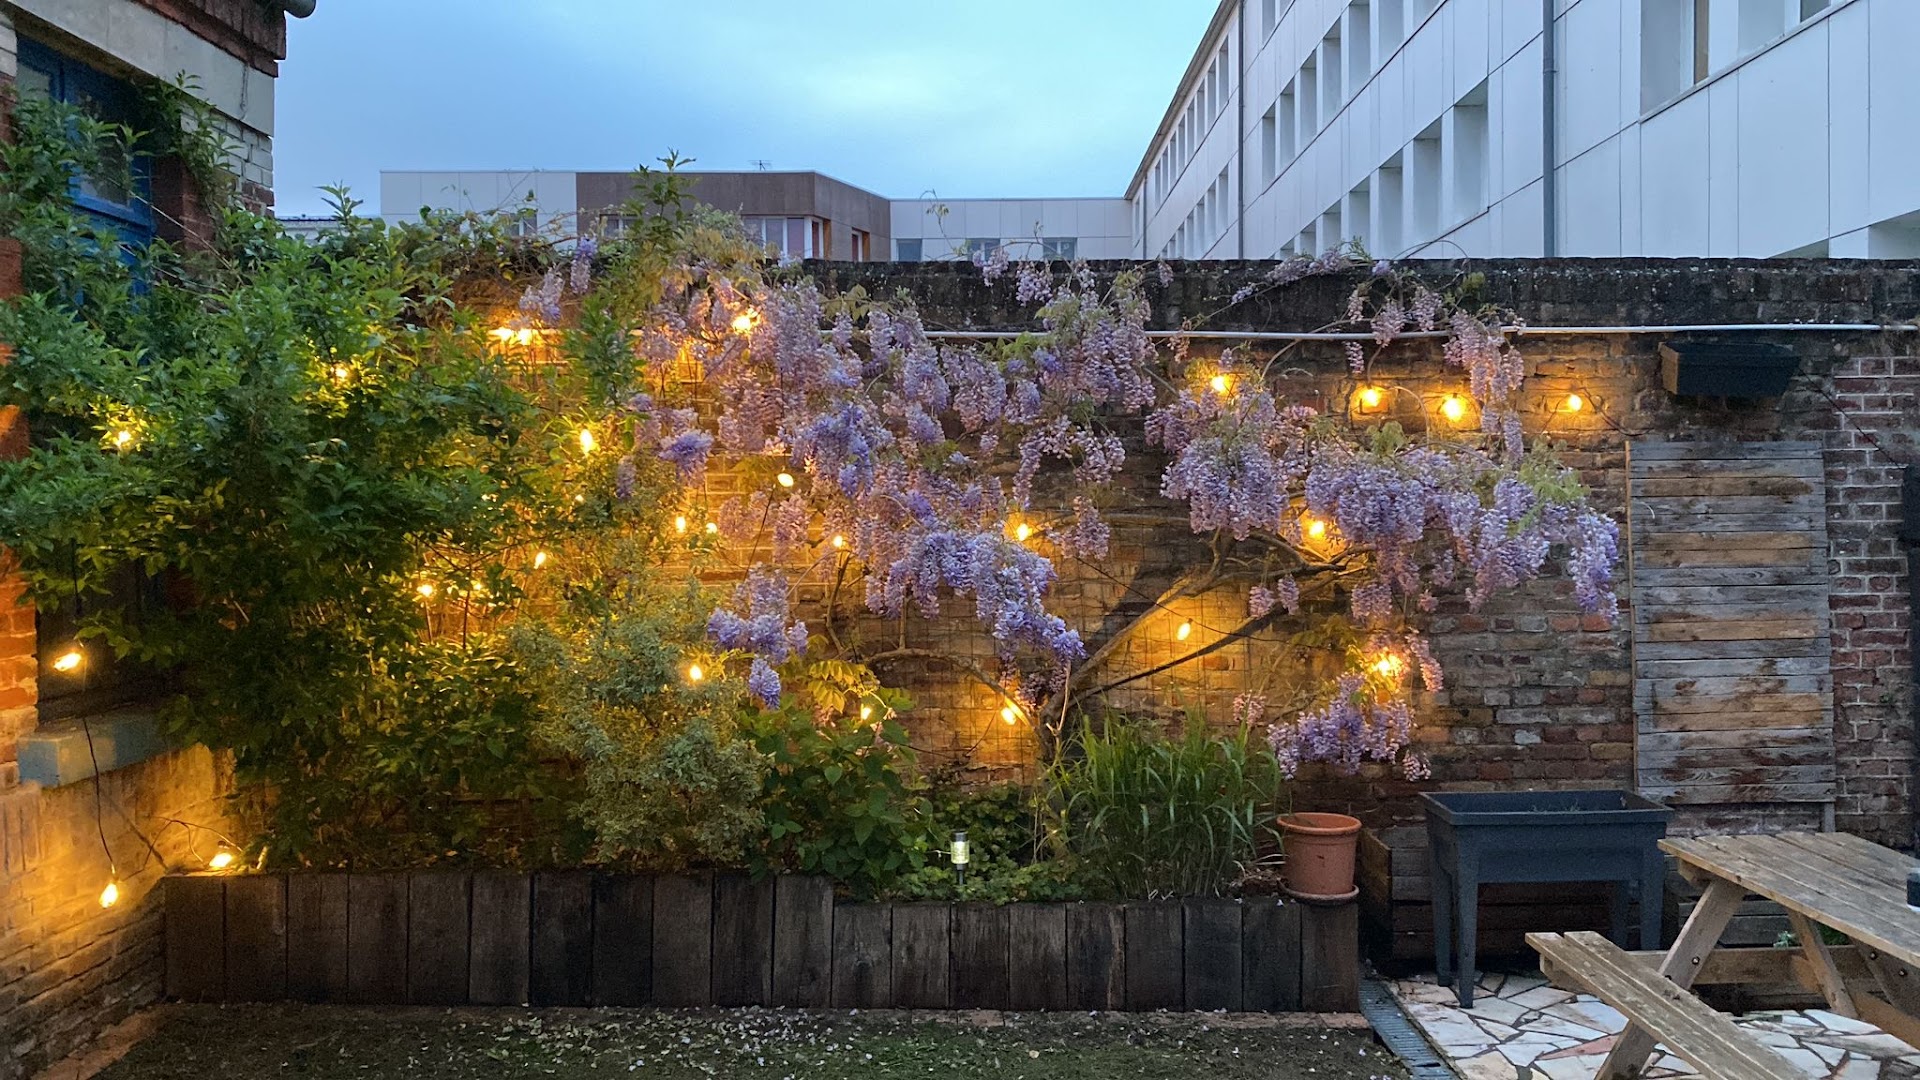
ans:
(1022, 531)
(1370, 397)
(425, 589)
(695, 673)
(839, 542)
(1575, 403)
(501, 333)
(1389, 666)
(1315, 528)
(745, 321)
(110, 895)
(1185, 632)
(866, 712)
(122, 437)
(221, 860)
(341, 372)
(69, 660)
(1010, 715)
(1453, 407)
(587, 441)
(680, 523)
(785, 479)
(524, 337)
(1221, 383)
(712, 529)
(539, 559)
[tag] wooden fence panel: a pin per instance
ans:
(438, 937)
(561, 967)
(742, 941)
(316, 937)
(980, 956)
(1037, 956)
(196, 913)
(622, 940)
(802, 942)
(683, 941)
(1210, 954)
(1270, 940)
(500, 934)
(1155, 972)
(922, 944)
(863, 956)
(1096, 957)
(1330, 958)
(376, 938)
(256, 938)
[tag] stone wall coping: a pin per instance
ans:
(57, 754)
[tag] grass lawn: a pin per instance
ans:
(235, 1042)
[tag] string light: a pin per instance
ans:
(1389, 666)
(539, 559)
(525, 336)
(341, 372)
(785, 479)
(222, 858)
(839, 542)
(1185, 632)
(1022, 531)
(425, 589)
(587, 441)
(1009, 714)
(110, 895)
(1314, 528)
(1370, 398)
(695, 673)
(122, 437)
(866, 712)
(70, 660)
(680, 523)
(1453, 407)
(1221, 383)
(745, 321)
(1575, 403)
(712, 529)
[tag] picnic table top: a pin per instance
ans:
(1852, 885)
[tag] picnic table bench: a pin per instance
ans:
(1848, 884)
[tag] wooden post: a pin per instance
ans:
(922, 938)
(1096, 957)
(1037, 956)
(1682, 964)
(1270, 945)
(802, 942)
(1155, 972)
(979, 956)
(317, 937)
(1211, 954)
(196, 937)
(561, 969)
(683, 941)
(863, 956)
(622, 939)
(742, 941)
(1330, 958)
(499, 939)
(376, 939)
(256, 937)
(438, 935)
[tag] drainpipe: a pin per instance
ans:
(1549, 132)
(1240, 134)
(1910, 536)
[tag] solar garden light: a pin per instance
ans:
(960, 853)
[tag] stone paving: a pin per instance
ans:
(1520, 1028)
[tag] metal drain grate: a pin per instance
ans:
(1399, 1034)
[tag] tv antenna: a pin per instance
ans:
(761, 164)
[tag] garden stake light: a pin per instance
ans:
(961, 853)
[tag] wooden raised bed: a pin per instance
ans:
(580, 938)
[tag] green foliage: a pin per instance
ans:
(839, 798)
(1007, 860)
(1152, 815)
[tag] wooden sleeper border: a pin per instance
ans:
(584, 938)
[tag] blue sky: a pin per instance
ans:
(961, 97)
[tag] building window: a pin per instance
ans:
(788, 237)
(523, 223)
(980, 248)
(122, 202)
(1269, 17)
(613, 223)
(862, 245)
(1269, 146)
(1471, 154)
(1673, 49)
(1810, 8)
(908, 250)
(1423, 181)
(1059, 248)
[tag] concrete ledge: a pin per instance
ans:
(57, 754)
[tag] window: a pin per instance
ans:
(1810, 8)
(613, 222)
(980, 248)
(1470, 154)
(1391, 191)
(862, 245)
(1287, 143)
(789, 237)
(123, 203)
(1423, 181)
(1269, 148)
(1308, 93)
(1332, 235)
(1761, 22)
(908, 250)
(524, 222)
(1673, 49)
(1330, 89)
(1391, 31)
(1059, 248)
(1220, 217)
(1269, 17)
(1359, 212)
(1359, 44)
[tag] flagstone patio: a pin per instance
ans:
(1521, 1028)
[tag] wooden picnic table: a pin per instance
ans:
(1854, 886)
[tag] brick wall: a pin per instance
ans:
(252, 30)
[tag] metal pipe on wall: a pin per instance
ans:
(1549, 132)
(1240, 134)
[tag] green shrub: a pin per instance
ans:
(1152, 815)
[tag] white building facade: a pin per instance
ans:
(1733, 128)
(933, 229)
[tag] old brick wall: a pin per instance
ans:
(1538, 694)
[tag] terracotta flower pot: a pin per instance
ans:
(1320, 851)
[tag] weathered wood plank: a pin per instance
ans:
(1330, 958)
(317, 937)
(1660, 762)
(1752, 793)
(196, 934)
(1211, 954)
(1743, 454)
(863, 956)
(1754, 702)
(922, 943)
(1096, 957)
(1270, 968)
(1734, 667)
(622, 939)
(1653, 744)
(1155, 971)
(1809, 557)
(437, 937)
(742, 941)
(500, 939)
(1727, 650)
(256, 937)
(1819, 719)
(1767, 630)
(980, 956)
(802, 942)
(1037, 956)
(683, 941)
(377, 939)
(561, 970)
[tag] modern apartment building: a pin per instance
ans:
(1740, 128)
(799, 214)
